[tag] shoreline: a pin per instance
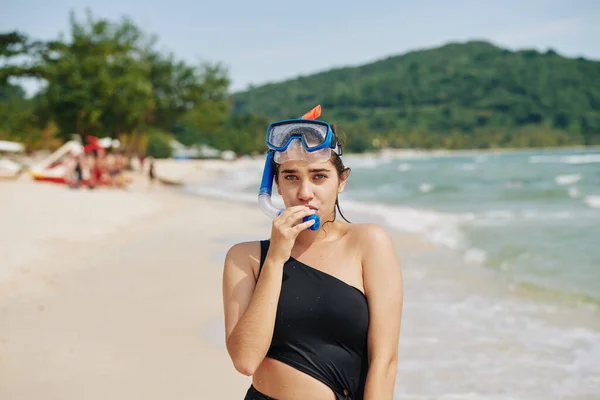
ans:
(417, 242)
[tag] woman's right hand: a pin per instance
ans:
(286, 228)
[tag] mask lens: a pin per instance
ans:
(313, 134)
(296, 151)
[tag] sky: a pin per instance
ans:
(264, 41)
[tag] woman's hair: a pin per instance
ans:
(339, 167)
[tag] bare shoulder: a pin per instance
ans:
(382, 274)
(242, 249)
(370, 238)
(244, 255)
(376, 247)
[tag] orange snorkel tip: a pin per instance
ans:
(313, 114)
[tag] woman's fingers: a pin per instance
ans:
(298, 215)
(300, 227)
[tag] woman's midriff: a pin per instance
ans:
(281, 381)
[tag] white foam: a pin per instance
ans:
(368, 162)
(573, 159)
(574, 192)
(494, 218)
(564, 180)
(505, 217)
(468, 167)
(439, 228)
(404, 167)
(535, 215)
(593, 201)
(426, 187)
(494, 342)
(403, 154)
(475, 256)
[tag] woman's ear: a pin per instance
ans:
(343, 180)
(277, 186)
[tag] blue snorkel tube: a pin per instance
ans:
(266, 189)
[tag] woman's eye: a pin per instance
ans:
(290, 177)
(320, 176)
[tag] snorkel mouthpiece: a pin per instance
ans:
(317, 223)
(266, 185)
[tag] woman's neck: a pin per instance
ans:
(329, 231)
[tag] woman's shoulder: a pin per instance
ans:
(368, 232)
(245, 249)
(245, 254)
(370, 238)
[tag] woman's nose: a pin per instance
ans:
(306, 191)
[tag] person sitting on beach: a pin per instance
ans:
(314, 314)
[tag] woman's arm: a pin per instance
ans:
(382, 277)
(250, 306)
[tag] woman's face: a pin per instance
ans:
(315, 185)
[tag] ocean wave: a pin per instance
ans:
(367, 161)
(593, 201)
(504, 217)
(475, 256)
(468, 167)
(440, 228)
(552, 295)
(574, 192)
(569, 179)
(571, 159)
(426, 187)
(404, 167)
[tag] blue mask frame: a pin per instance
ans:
(329, 142)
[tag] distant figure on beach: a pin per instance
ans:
(118, 171)
(313, 314)
(98, 168)
(151, 171)
(78, 171)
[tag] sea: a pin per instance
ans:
(504, 302)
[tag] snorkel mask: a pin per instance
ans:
(305, 138)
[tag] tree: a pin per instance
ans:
(98, 82)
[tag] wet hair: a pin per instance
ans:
(339, 167)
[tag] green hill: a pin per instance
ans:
(461, 95)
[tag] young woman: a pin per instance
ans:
(313, 314)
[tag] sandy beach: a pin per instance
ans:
(115, 294)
